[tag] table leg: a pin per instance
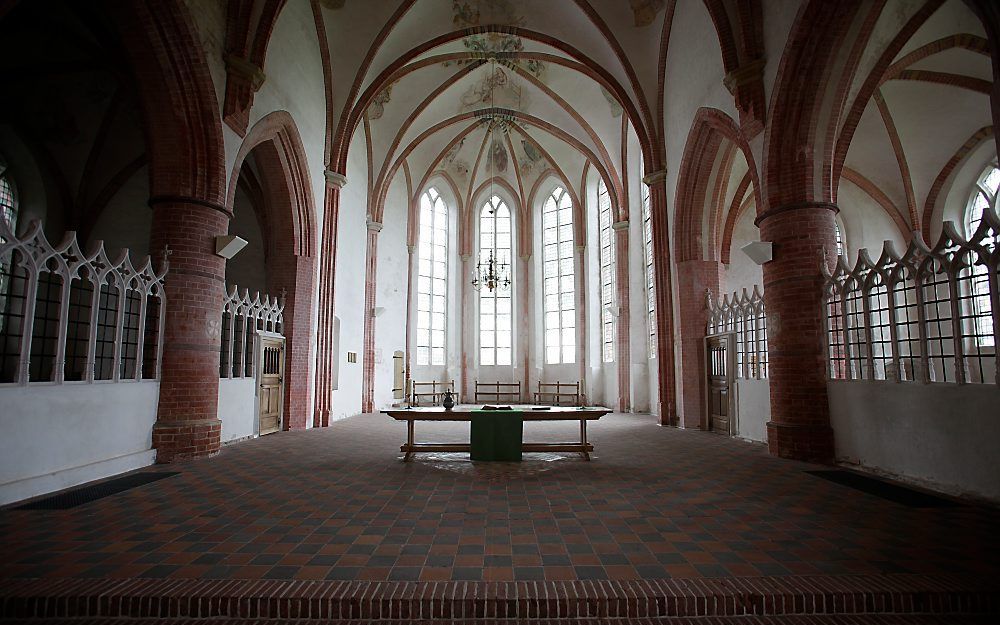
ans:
(409, 440)
(583, 439)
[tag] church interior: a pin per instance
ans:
(744, 254)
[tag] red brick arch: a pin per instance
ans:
(180, 108)
(283, 173)
(711, 131)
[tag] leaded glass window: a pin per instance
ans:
(558, 278)
(495, 307)
(432, 279)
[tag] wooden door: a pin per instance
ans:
(272, 387)
(719, 370)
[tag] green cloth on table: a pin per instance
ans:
(496, 435)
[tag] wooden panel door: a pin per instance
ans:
(272, 387)
(719, 370)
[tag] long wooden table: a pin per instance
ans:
(529, 413)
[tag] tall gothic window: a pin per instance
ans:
(8, 204)
(432, 279)
(607, 272)
(495, 335)
(982, 199)
(839, 234)
(558, 277)
(8, 212)
(647, 249)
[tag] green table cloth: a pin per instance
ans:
(496, 435)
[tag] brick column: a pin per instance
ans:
(581, 323)
(371, 274)
(800, 416)
(187, 422)
(694, 277)
(326, 350)
(466, 309)
(622, 326)
(411, 260)
(657, 183)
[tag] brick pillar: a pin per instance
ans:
(187, 422)
(326, 350)
(411, 260)
(468, 322)
(694, 277)
(657, 183)
(800, 416)
(622, 345)
(371, 273)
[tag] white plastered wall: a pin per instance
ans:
(944, 436)
(57, 436)
(390, 292)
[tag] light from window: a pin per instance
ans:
(495, 335)
(432, 279)
(983, 199)
(8, 210)
(8, 205)
(607, 272)
(840, 239)
(558, 277)
(647, 248)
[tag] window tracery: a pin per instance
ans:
(607, 255)
(432, 279)
(558, 278)
(495, 307)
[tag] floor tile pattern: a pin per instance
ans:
(337, 504)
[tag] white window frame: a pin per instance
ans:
(606, 271)
(972, 217)
(492, 350)
(558, 278)
(648, 270)
(432, 280)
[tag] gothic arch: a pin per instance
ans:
(290, 213)
(711, 133)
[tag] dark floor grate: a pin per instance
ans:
(886, 490)
(86, 494)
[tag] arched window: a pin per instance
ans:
(8, 212)
(495, 335)
(647, 249)
(558, 278)
(432, 279)
(982, 199)
(8, 203)
(607, 272)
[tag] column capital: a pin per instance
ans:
(654, 177)
(581, 247)
(784, 208)
(374, 226)
(335, 179)
(746, 73)
(245, 69)
(620, 225)
(410, 249)
(464, 257)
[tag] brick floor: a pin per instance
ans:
(328, 507)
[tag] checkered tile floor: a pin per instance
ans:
(338, 504)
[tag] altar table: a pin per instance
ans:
(465, 412)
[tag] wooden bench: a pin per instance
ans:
(558, 393)
(498, 392)
(430, 393)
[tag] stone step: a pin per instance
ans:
(659, 600)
